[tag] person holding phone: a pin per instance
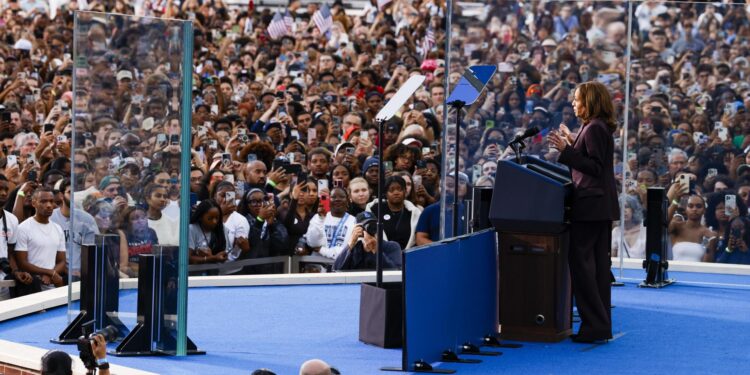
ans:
(268, 236)
(687, 231)
(734, 247)
(361, 250)
(206, 239)
(341, 175)
(236, 226)
(302, 208)
(329, 232)
(593, 208)
(717, 218)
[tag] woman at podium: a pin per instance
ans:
(593, 207)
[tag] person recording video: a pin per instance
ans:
(360, 252)
(57, 362)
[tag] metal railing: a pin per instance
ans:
(290, 265)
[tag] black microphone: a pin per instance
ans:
(530, 132)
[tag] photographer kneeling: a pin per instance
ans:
(360, 252)
(56, 362)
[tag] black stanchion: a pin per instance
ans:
(155, 333)
(656, 263)
(99, 289)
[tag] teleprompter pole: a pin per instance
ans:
(381, 178)
(458, 106)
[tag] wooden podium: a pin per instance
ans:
(528, 211)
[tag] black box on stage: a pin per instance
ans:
(380, 314)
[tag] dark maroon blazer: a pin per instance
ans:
(591, 164)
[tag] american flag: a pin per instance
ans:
(288, 21)
(428, 42)
(277, 27)
(323, 19)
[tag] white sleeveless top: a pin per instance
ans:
(688, 251)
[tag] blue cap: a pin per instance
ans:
(271, 125)
(371, 162)
(365, 217)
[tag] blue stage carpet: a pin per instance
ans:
(681, 329)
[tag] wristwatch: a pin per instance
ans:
(102, 364)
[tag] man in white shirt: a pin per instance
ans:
(40, 249)
(85, 227)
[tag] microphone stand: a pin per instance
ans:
(518, 148)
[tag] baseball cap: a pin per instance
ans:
(368, 221)
(365, 217)
(371, 162)
(411, 141)
(23, 44)
(343, 146)
(124, 74)
(108, 180)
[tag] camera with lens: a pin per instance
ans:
(371, 228)
(86, 353)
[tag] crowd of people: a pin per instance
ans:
(283, 139)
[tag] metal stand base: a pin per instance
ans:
(73, 331)
(656, 285)
(450, 356)
(420, 366)
(472, 349)
(492, 341)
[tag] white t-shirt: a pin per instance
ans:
(7, 236)
(235, 226)
(42, 242)
(84, 234)
(167, 230)
(172, 210)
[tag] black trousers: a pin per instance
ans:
(589, 259)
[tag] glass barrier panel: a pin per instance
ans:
(130, 122)
(688, 100)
